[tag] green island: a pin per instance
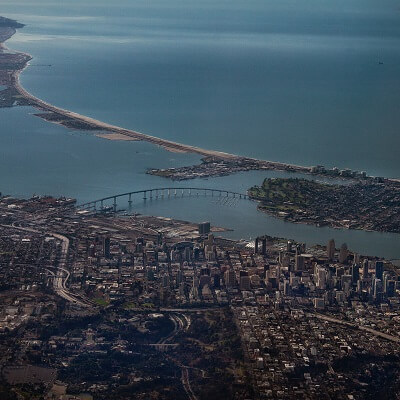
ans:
(361, 205)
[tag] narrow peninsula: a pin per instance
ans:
(214, 163)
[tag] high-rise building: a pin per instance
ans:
(230, 278)
(245, 283)
(340, 297)
(379, 269)
(330, 250)
(355, 273)
(204, 228)
(301, 248)
(194, 291)
(321, 277)
(390, 288)
(205, 280)
(264, 246)
(286, 287)
(377, 290)
(365, 268)
(179, 277)
(187, 255)
(343, 254)
(345, 283)
(299, 265)
(106, 247)
(217, 281)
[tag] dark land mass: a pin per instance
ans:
(216, 166)
(135, 307)
(6, 22)
(363, 205)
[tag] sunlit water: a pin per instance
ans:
(294, 81)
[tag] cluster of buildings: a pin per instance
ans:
(301, 312)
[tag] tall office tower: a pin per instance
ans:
(379, 269)
(92, 251)
(321, 278)
(390, 288)
(217, 281)
(345, 283)
(230, 278)
(330, 250)
(205, 280)
(299, 266)
(204, 228)
(179, 277)
(106, 247)
(377, 290)
(339, 271)
(187, 256)
(256, 246)
(245, 282)
(194, 292)
(264, 246)
(196, 253)
(355, 273)
(301, 248)
(385, 278)
(285, 260)
(286, 287)
(344, 253)
(365, 268)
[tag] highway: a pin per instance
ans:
(181, 322)
(62, 274)
(355, 326)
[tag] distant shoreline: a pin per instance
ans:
(370, 206)
(75, 120)
(221, 163)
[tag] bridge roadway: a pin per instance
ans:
(161, 193)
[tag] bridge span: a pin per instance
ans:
(159, 193)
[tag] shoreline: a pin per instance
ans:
(78, 121)
(327, 225)
(214, 163)
(368, 207)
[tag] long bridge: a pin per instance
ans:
(160, 193)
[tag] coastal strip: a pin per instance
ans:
(368, 206)
(15, 62)
(214, 163)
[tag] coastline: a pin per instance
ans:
(214, 163)
(328, 224)
(368, 207)
(78, 121)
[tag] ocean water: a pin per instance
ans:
(306, 82)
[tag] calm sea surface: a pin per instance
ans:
(306, 82)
